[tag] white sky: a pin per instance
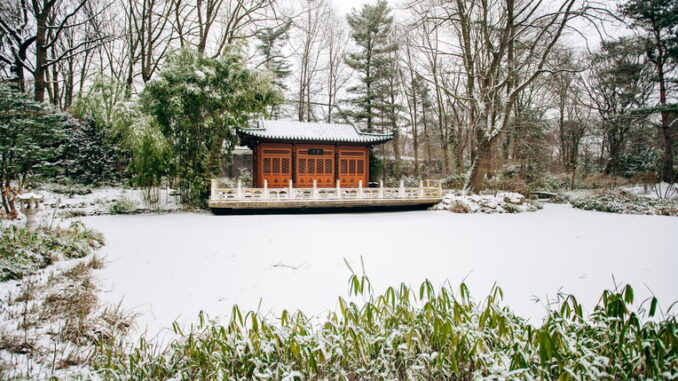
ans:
(345, 6)
(573, 39)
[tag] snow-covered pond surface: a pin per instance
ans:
(168, 267)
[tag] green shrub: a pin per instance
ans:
(122, 206)
(626, 203)
(413, 334)
(23, 252)
(68, 188)
(454, 181)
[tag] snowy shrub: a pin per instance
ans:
(620, 201)
(68, 189)
(122, 206)
(23, 252)
(454, 181)
(414, 334)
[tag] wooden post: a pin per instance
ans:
(402, 189)
(314, 195)
(265, 189)
(239, 193)
(213, 191)
(360, 189)
(421, 189)
(338, 189)
(289, 190)
(381, 188)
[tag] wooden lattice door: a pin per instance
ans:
(353, 166)
(314, 163)
(275, 165)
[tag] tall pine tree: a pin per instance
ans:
(372, 101)
(271, 42)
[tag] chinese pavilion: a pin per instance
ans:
(304, 152)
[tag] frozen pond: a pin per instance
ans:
(168, 267)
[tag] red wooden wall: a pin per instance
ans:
(280, 162)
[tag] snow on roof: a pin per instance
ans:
(312, 131)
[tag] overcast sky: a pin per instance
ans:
(570, 38)
(345, 6)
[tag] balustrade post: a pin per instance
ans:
(360, 189)
(239, 193)
(440, 188)
(265, 189)
(381, 188)
(289, 191)
(338, 189)
(421, 189)
(402, 189)
(213, 191)
(315, 190)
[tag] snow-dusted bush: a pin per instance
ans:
(122, 206)
(620, 201)
(22, 252)
(414, 334)
(502, 202)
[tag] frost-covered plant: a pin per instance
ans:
(626, 203)
(409, 333)
(122, 206)
(22, 252)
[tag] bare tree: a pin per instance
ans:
(503, 46)
(337, 73)
(34, 29)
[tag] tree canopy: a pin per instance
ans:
(31, 135)
(198, 102)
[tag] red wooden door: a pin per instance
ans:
(353, 166)
(314, 162)
(275, 165)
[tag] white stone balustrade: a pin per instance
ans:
(423, 191)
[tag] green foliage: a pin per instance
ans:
(626, 203)
(621, 83)
(88, 157)
(106, 103)
(271, 42)
(23, 252)
(371, 30)
(528, 131)
(122, 206)
(31, 134)
(419, 333)
(150, 150)
(658, 18)
(197, 102)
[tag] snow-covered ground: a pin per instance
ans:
(169, 267)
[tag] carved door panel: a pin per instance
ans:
(275, 165)
(353, 166)
(314, 163)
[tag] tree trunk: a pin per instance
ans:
(480, 166)
(40, 54)
(667, 159)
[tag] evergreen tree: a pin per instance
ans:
(371, 30)
(197, 102)
(271, 41)
(659, 20)
(89, 158)
(619, 84)
(31, 135)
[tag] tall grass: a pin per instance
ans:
(408, 333)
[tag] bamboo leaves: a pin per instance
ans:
(427, 334)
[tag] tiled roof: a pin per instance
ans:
(312, 131)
